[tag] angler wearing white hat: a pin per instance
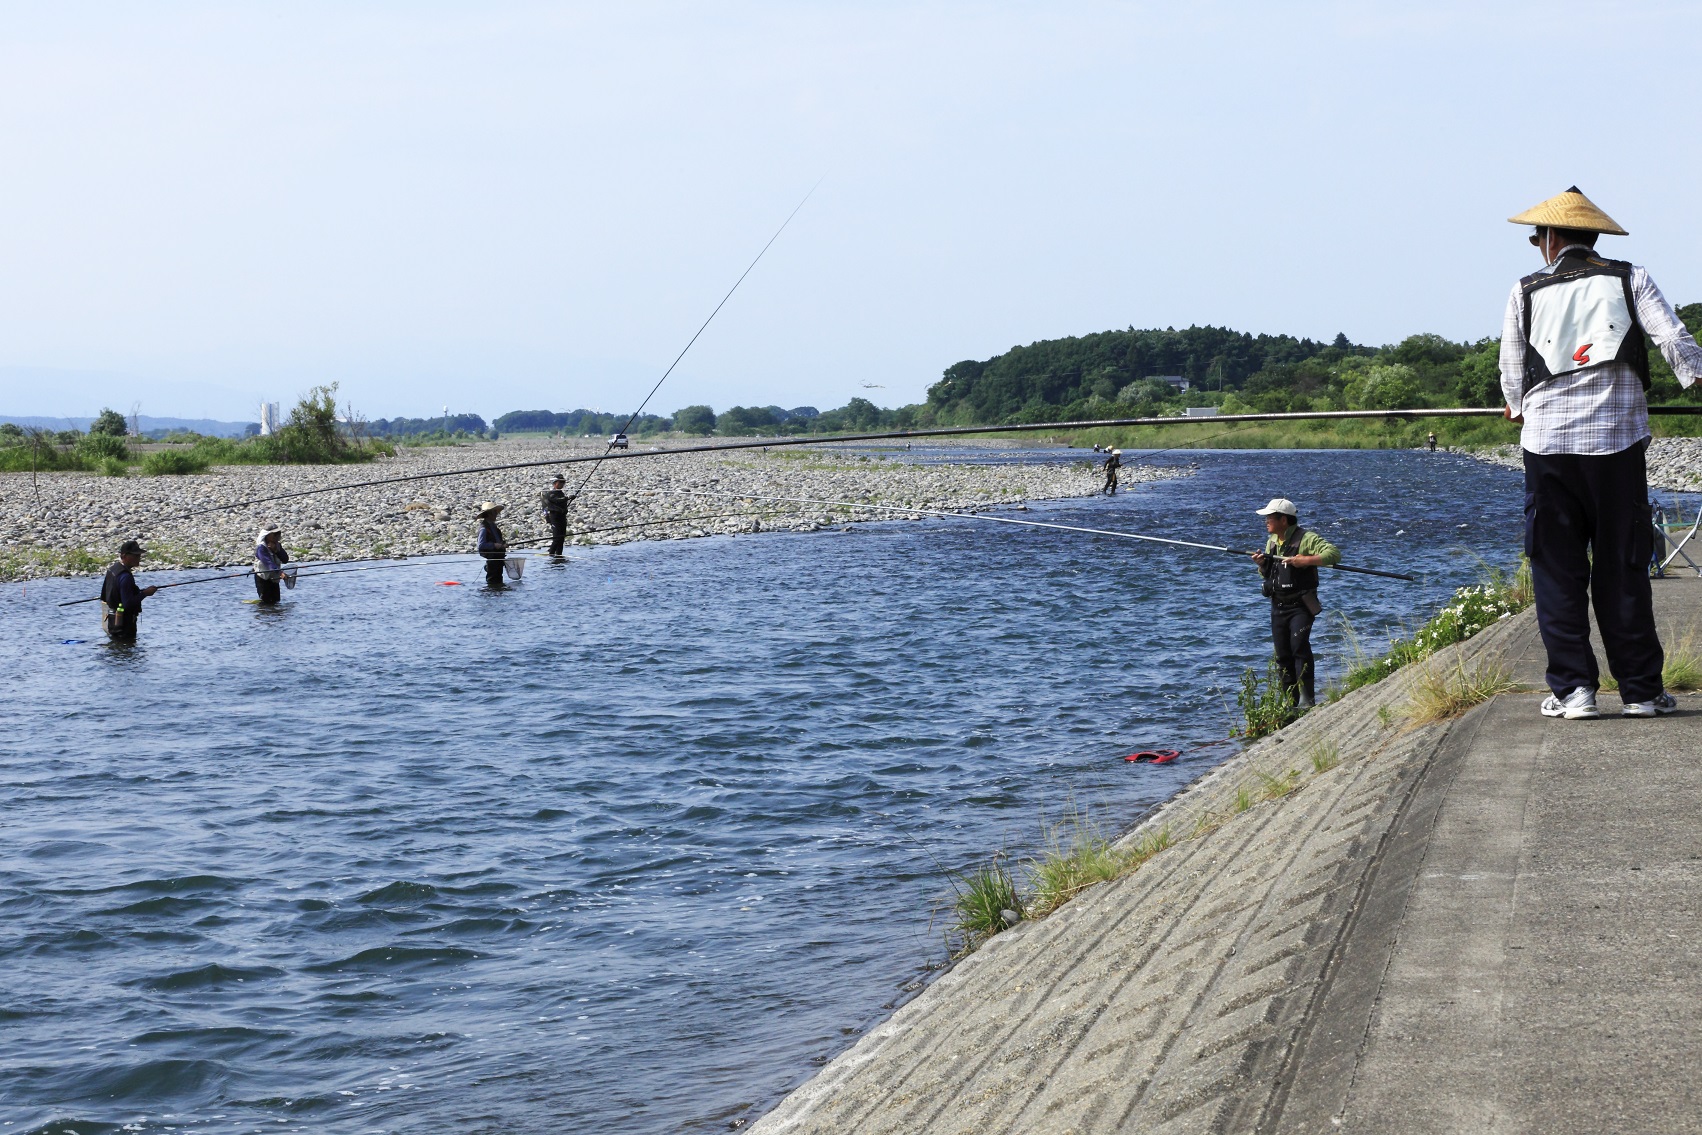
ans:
(1112, 464)
(491, 544)
(1575, 372)
(269, 560)
(1290, 564)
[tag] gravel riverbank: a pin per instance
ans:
(1675, 463)
(72, 523)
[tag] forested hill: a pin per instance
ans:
(1137, 374)
(1032, 381)
(1125, 373)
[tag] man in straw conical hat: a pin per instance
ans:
(1574, 371)
(491, 545)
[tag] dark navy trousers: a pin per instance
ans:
(1589, 536)
(1291, 634)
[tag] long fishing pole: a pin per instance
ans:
(634, 416)
(1000, 520)
(417, 562)
(424, 559)
(890, 435)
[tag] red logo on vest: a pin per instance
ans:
(1581, 355)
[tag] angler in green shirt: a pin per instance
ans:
(1290, 564)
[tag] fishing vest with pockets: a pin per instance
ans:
(114, 618)
(1286, 583)
(1581, 314)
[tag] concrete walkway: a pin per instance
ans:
(1489, 924)
(1545, 972)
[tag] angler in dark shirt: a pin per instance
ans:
(269, 560)
(1112, 464)
(491, 544)
(555, 514)
(120, 598)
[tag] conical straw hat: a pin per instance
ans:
(1570, 210)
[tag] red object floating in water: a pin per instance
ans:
(1155, 756)
(450, 583)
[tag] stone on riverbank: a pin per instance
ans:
(72, 523)
(1675, 463)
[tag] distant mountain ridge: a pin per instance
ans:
(197, 425)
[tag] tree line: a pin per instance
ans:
(1135, 374)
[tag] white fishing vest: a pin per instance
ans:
(1581, 314)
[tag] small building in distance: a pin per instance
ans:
(1174, 381)
(1202, 411)
(269, 422)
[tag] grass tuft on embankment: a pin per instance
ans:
(1076, 856)
(1500, 596)
(1682, 669)
(1440, 692)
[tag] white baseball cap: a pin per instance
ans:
(1282, 505)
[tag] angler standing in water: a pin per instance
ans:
(1112, 464)
(1575, 372)
(555, 514)
(269, 560)
(1290, 564)
(491, 544)
(120, 598)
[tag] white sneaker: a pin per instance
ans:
(1581, 702)
(1662, 702)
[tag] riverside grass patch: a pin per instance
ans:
(1440, 692)
(1076, 856)
(1265, 706)
(1472, 609)
(1682, 669)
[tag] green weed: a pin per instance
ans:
(172, 462)
(1265, 707)
(1440, 692)
(982, 899)
(1502, 595)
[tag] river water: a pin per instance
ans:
(635, 844)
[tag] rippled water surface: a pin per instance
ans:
(632, 845)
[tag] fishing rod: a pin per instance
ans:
(634, 417)
(419, 561)
(890, 435)
(414, 561)
(533, 540)
(1001, 520)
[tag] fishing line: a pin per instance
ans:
(610, 447)
(419, 562)
(999, 520)
(424, 559)
(1145, 453)
(901, 434)
(888, 435)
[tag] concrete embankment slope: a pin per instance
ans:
(1488, 924)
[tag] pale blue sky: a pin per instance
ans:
(511, 205)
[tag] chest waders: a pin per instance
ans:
(1293, 592)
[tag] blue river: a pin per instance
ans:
(635, 844)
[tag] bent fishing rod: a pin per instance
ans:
(608, 449)
(893, 435)
(972, 515)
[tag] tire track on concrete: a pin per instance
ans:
(1189, 977)
(1090, 1104)
(1042, 945)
